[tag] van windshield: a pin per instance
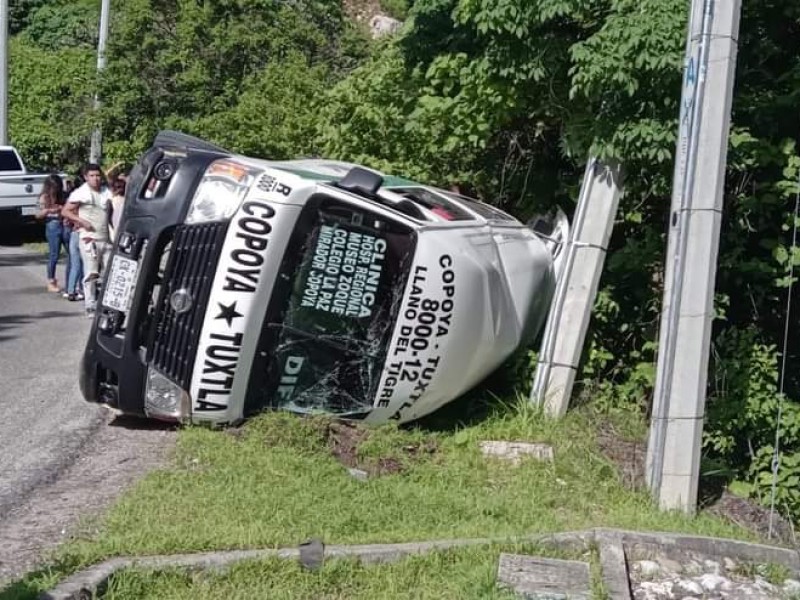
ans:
(332, 312)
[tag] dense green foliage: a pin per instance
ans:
(505, 98)
(50, 96)
(244, 73)
(397, 9)
(512, 96)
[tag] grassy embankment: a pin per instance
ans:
(277, 482)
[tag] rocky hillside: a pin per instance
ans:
(362, 11)
(372, 14)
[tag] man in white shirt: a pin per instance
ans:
(89, 208)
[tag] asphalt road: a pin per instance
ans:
(53, 444)
(43, 421)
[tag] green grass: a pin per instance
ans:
(276, 483)
(598, 590)
(456, 574)
(774, 573)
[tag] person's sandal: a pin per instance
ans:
(52, 287)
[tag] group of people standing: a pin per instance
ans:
(81, 215)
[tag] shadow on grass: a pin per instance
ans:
(715, 477)
(35, 583)
(495, 394)
(21, 589)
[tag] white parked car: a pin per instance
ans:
(19, 189)
(314, 286)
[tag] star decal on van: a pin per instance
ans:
(228, 312)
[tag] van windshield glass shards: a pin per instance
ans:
(333, 309)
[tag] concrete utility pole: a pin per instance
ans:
(673, 453)
(565, 332)
(3, 72)
(96, 151)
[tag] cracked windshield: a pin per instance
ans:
(344, 285)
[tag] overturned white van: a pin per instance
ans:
(238, 285)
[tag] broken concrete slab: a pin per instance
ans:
(359, 474)
(614, 565)
(514, 452)
(677, 546)
(538, 578)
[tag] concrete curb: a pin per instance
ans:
(611, 542)
(92, 580)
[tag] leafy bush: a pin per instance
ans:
(50, 101)
(742, 416)
(248, 75)
(397, 9)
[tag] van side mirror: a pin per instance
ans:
(361, 181)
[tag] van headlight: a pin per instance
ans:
(221, 191)
(164, 398)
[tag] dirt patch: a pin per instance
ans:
(629, 458)
(344, 440)
(626, 454)
(750, 515)
(237, 433)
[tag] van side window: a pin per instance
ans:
(438, 204)
(487, 211)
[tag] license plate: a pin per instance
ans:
(28, 211)
(120, 283)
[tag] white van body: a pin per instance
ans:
(326, 288)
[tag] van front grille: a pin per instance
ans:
(192, 262)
